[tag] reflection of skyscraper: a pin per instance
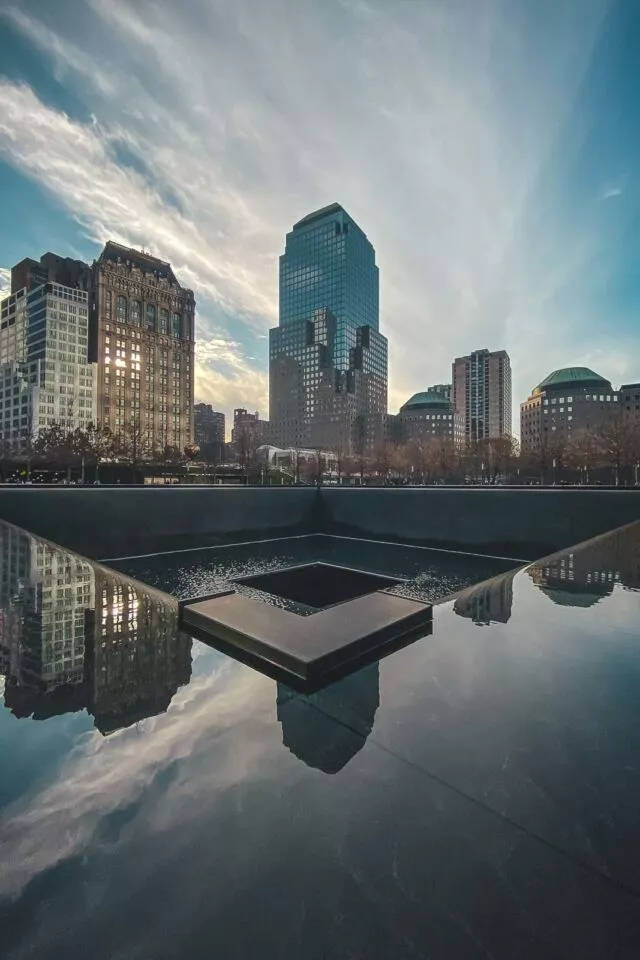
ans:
(487, 602)
(74, 636)
(309, 729)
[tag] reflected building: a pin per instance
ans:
(487, 603)
(138, 657)
(582, 577)
(44, 593)
(73, 637)
(309, 727)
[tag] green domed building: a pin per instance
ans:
(429, 413)
(567, 400)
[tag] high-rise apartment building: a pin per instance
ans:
(327, 358)
(482, 394)
(209, 431)
(45, 373)
(143, 340)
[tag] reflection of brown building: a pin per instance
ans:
(138, 657)
(581, 577)
(74, 637)
(143, 340)
(309, 729)
(487, 602)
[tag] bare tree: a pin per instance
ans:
(382, 459)
(616, 440)
(583, 452)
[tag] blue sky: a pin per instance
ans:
(488, 149)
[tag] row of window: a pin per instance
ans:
(155, 319)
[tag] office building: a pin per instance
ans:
(249, 431)
(481, 385)
(629, 398)
(143, 340)
(209, 431)
(45, 374)
(430, 415)
(327, 358)
(567, 401)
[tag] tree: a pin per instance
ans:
(133, 445)
(54, 444)
(616, 440)
(400, 460)
(360, 444)
(382, 459)
(583, 452)
(94, 445)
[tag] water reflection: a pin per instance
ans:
(490, 602)
(583, 576)
(309, 729)
(73, 636)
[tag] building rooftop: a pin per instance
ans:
(427, 398)
(570, 376)
(318, 214)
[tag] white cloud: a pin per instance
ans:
(5, 282)
(437, 126)
(610, 192)
(101, 774)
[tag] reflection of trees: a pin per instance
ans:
(309, 729)
(73, 636)
(580, 577)
(487, 602)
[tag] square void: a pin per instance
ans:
(319, 585)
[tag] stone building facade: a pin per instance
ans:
(143, 341)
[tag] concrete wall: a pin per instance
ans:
(523, 523)
(109, 522)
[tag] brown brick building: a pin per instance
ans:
(143, 340)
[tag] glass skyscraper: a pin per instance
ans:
(328, 331)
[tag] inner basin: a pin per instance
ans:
(423, 574)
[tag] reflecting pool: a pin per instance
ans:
(473, 794)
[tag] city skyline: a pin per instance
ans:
(493, 179)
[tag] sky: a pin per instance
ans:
(488, 149)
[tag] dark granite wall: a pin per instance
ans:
(109, 522)
(523, 523)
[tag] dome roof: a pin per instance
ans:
(427, 398)
(572, 377)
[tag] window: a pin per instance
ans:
(121, 309)
(135, 310)
(151, 316)
(164, 320)
(176, 325)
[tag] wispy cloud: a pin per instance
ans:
(610, 192)
(5, 281)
